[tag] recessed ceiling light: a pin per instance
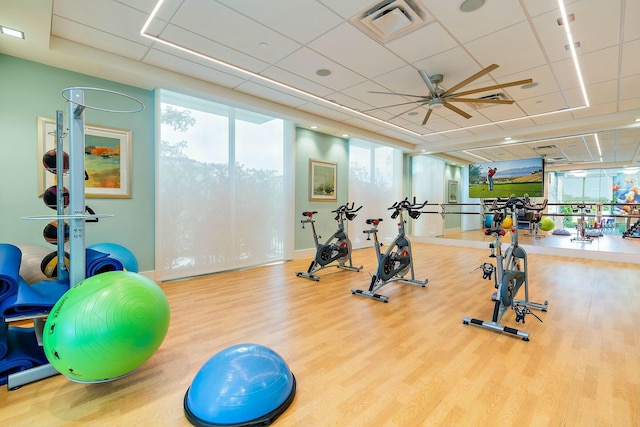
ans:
(637, 120)
(471, 5)
(263, 45)
(508, 138)
(570, 18)
(568, 47)
(323, 72)
(313, 127)
(413, 113)
(11, 32)
(345, 135)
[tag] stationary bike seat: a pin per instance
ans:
(490, 231)
(309, 213)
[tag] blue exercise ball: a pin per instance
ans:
(119, 252)
(246, 384)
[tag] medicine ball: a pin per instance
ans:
(50, 161)
(49, 265)
(50, 197)
(50, 232)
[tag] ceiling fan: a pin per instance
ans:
(438, 97)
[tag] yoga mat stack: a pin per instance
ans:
(19, 349)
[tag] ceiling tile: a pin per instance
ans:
(361, 54)
(305, 62)
(466, 26)
(305, 20)
(190, 68)
(281, 75)
(516, 42)
(271, 94)
(631, 58)
(422, 43)
(348, 9)
(227, 27)
(74, 31)
(211, 49)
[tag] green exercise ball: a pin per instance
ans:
(546, 224)
(106, 326)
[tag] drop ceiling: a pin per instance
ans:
(318, 62)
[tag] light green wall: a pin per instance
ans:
(29, 90)
(318, 146)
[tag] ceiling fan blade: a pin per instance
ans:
(457, 110)
(468, 80)
(486, 101)
(426, 117)
(429, 83)
(484, 89)
(405, 112)
(399, 94)
(392, 105)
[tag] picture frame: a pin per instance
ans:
(452, 191)
(323, 181)
(107, 159)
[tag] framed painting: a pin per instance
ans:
(323, 181)
(107, 159)
(453, 191)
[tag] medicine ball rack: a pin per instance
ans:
(78, 211)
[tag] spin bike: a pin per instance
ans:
(397, 260)
(338, 246)
(511, 271)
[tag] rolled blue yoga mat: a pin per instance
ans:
(100, 262)
(4, 330)
(10, 257)
(23, 352)
(32, 299)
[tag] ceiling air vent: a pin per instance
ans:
(494, 96)
(390, 19)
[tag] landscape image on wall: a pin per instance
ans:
(511, 177)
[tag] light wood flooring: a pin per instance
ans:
(410, 362)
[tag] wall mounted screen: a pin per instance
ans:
(503, 179)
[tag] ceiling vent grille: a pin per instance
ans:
(495, 96)
(390, 19)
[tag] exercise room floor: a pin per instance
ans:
(410, 362)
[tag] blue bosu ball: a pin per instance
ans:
(243, 385)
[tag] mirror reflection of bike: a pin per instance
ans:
(336, 249)
(397, 260)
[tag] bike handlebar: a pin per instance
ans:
(406, 204)
(346, 208)
(413, 208)
(516, 203)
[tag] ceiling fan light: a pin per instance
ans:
(436, 105)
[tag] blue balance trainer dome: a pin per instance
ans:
(243, 385)
(106, 326)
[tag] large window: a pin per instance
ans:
(224, 186)
(375, 182)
